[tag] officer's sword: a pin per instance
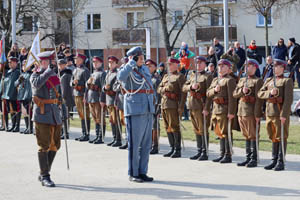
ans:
(257, 139)
(205, 134)
(229, 137)
(282, 142)
(102, 121)
(157, 129)
(65, 131)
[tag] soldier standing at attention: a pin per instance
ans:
(199, 105)
(46, 114)
(224, 107)
(110, 80)
(249, 110)
(138, 110)
(95, 96)
(155, 128)
(172, 105)
(80, 75)
(279, 96)
(10, 94)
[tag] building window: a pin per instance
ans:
(93, 22)
(134, 19)
(216, 17)
(30, 24)
(178, 18)
(260, 20)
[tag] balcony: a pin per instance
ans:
(207, 33)
(129, 4)
(60, 5)
(129, 36)
(217, 2)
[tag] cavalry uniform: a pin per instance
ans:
(80, 75)
(9, 96)
(224, 104)
(172, 105)
(277, 106)
(110, 80)
(25, 98)
(249, 108)
(95, 95)
(138, 111)
(196, 103)
(46, 116)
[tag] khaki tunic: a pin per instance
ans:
(250, 106)
(197, 100)
(279, 106)
(172, 101)
(224, 103)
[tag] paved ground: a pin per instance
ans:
(100, 172)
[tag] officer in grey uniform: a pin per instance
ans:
(95, 95)
(110, 80)
(25, 97)
(155, 78)
(46, 114)
(10, 94)
(138, 111)
(79, 77)
(66, 92)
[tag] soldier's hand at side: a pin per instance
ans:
(205, 112)
(75, 82)
(217, 88)
(102, 104)
(169, 87)
(230, 116)
(245, 90)
(90, 80)
(289, 62)
(274, 91)
(107, 87)
(195, 86)
(257, 119)
(282, 119)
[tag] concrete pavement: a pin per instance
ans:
(100, 172)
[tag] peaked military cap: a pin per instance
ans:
(46, 55)
(113, 58)
(201, 58)
(151, 62)
(135, 51)
(225, 62)
(253, 62)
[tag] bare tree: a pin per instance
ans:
(264, 7)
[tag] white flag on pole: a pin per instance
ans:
(34, 51)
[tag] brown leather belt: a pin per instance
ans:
(275, 100)
(197, 95)
(172, 96)
(220, 100)
(248, 99)
(94, 87)
(78, 88)
(41, 103)
(141, 91)
(110, 93)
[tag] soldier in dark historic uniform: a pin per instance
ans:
(46, 114)
(110, 80)
(249, 110)
(10, 93)
(172, 105)
(80, 75)
(95, 95)
(155, 78)
(224, 108)
(25, 97)
(279, 96)
(199, 105)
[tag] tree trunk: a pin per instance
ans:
(70, 33)
(267, 36)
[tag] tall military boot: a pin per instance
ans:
(44, 170)
(26, 125)
(83, 128)
(30, 130)
(113, 130)
(118, 141)
(154, 149)
(5, 123)
(248, 154)
(18, 119)
(101, 137)
(87, 135)
(227, 157)
(177, 153)
(275, 150)
(13, 122)
(199, 147)
(253, 161)
(64, 129)
(280, 163)
(51, 156)
(222, 150)
(97, 130)
(204, 155)
(172, 143)
(2, 128)
(125, 146)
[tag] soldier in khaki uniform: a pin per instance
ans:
(172, 105)
(249, 111)
(279, 98)
(224, 107)
(199, 105)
